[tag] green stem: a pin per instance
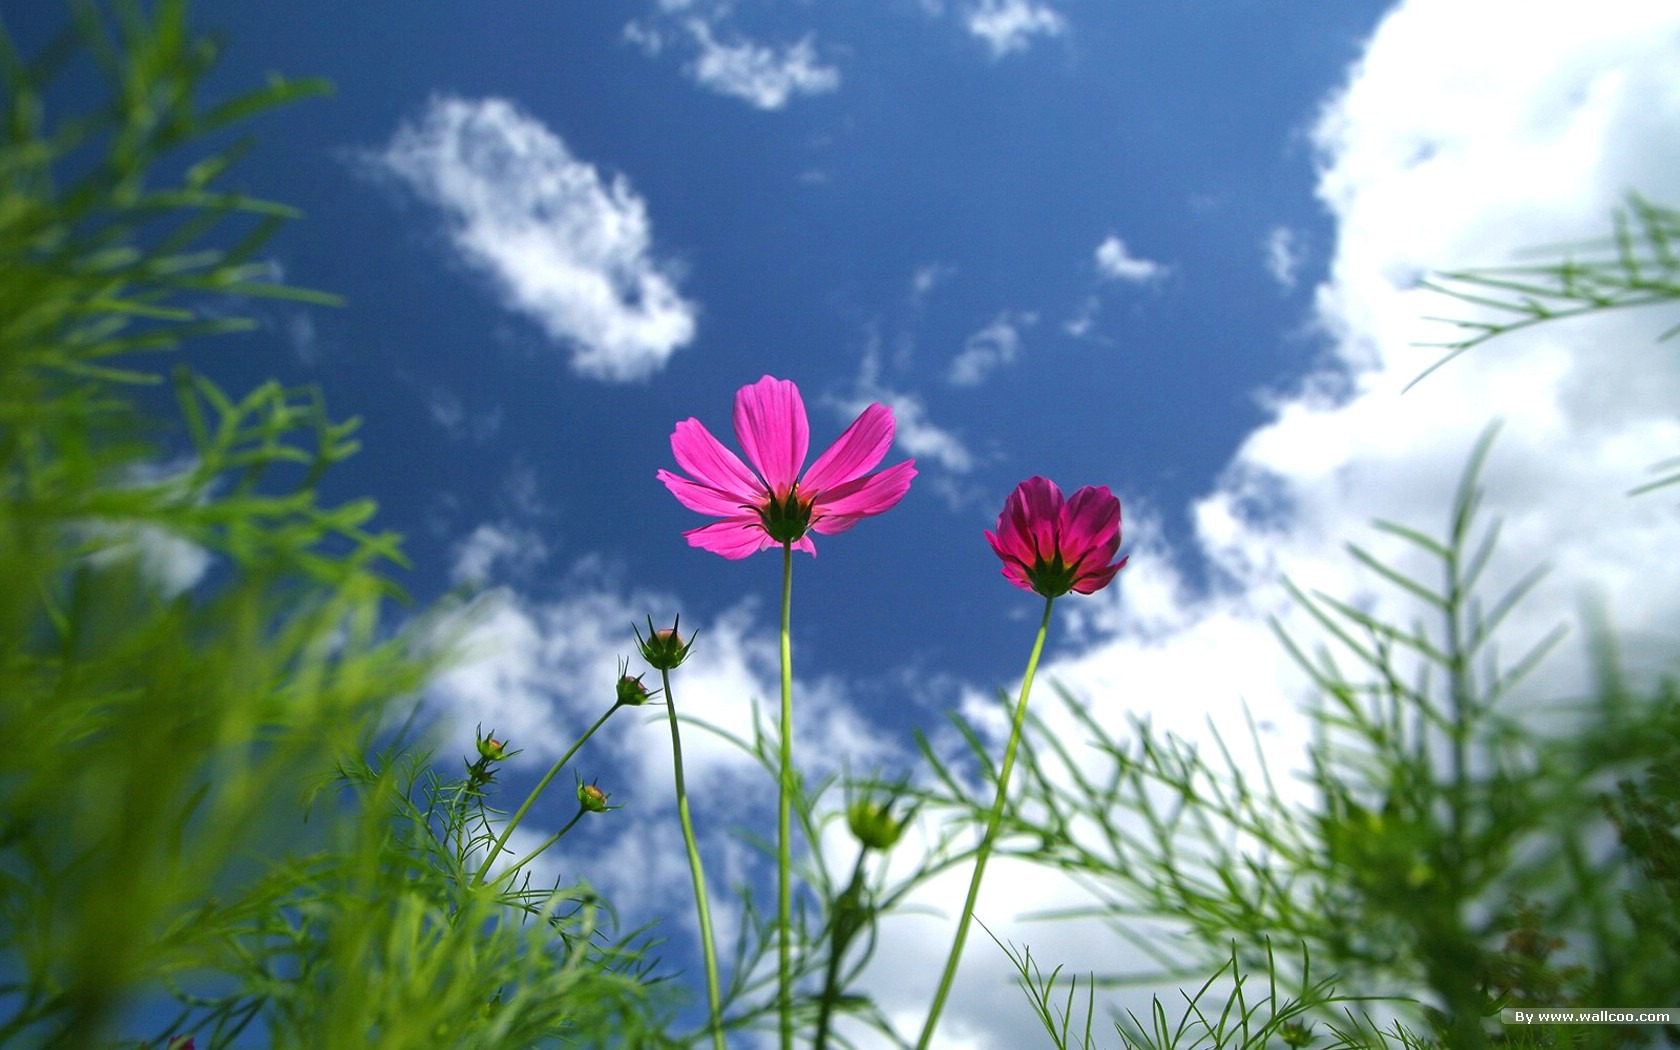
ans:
(784, 801)
(845, 925)
(992, 821)
(713, 995)
(496, 850)
(513, 869)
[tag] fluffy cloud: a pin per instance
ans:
(763, 76)
(1009, 25)
(1116, 262)
(564, 245)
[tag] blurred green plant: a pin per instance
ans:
(1638, 264)
(190, 642)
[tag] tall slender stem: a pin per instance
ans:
(992, 821)
(784, 833)
(519, 815)
(707, 946)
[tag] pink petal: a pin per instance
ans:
(710, 463)
(855, 452)
(774, 433)
(703, 498)
(838, 509)
(735, 538)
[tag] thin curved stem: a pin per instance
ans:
(519, 815)
(513, 869)
(784, 833)
(992, 821)
(713, 996)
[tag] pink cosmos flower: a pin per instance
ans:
(1051, 546)
(771, 503)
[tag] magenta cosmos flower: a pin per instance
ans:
(771, 503)
(1054, 546)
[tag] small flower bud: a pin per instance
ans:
(592, 798)
(663, 649)
(873, 824)
(631, 691)
(489, 748)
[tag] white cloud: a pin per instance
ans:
(477, 557)
(562, 244)
(763, 76)
(1009, 25)
(917, 434)
(1284, 255)
(997, 344)
(1115, 261)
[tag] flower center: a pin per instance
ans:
(786, 518)
(1052, 578)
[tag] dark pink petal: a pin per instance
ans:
(1017, 575)
(1096, 581)
(1039, 513)
(1090, 527)
(862, 498)
(1050, 545)
(854, 453)
(703, 498)
(710, 463)
(774, 433)
(1013, 567)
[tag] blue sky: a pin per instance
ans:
(1045, 235)
(1169, 248)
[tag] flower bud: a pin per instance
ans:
(489, 748)
(664, 650)
(873, 824)
(592, 798)
(631, 691)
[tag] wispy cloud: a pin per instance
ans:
(763, 76)
(1116, 262)
(497, 551)
(563, 244)
(917, 433)
(723, 60)
(997, 344)
(1008, 26)
(926, 278)
(1284, 255)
